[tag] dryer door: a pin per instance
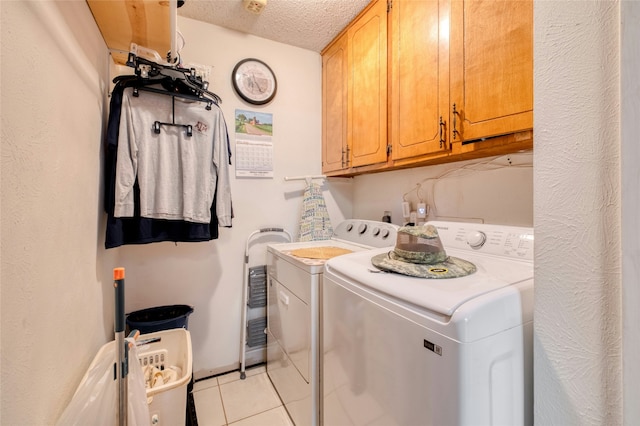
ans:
(288, 352)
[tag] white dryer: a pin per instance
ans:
(400, 350)
(294, 294)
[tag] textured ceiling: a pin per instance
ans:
(309, 24)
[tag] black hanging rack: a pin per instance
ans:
(185, 79)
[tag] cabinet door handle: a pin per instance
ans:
(454, 113)
(442, 133)
(345, 157)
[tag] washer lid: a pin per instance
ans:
(442, 296)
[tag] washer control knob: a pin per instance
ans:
(476, 239)
(376, 232)
(385, 233)
(349, 227)
(362, 229)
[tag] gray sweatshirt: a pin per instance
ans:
(177, 174)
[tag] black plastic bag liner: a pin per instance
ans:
(159, 318)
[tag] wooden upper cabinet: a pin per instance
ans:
(367, 86)
(491, 68)
(122, 22)
(459, 72)
(419, 83)
(334, 106)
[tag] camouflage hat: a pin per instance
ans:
(419, 253)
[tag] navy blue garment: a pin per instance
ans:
(137, 229)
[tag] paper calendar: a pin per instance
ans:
(254, 144)
(254, 158)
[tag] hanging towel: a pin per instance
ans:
(314, 221)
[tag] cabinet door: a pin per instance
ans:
(334, 106)
(367, 111)
(419, 77)
(491, 67)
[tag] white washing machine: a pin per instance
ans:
(399, 350)
(294, 293)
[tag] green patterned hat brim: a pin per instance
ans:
(452, 267)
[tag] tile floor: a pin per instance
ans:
(227, 400)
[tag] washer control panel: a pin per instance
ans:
(367, 232)
(508, 241)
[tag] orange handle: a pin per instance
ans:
(118, 274)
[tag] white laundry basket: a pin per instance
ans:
(167, 349)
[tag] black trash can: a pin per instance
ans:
(159, 318)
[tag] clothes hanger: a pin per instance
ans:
(185, 76)
(177, 82)
(169, 89)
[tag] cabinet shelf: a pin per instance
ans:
(122, 22)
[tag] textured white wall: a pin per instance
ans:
(57, 294)
(209, 275)
(490, 190)
(577, 320)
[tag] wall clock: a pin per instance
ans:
(254, 81)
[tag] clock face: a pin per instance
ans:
(254, 81)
